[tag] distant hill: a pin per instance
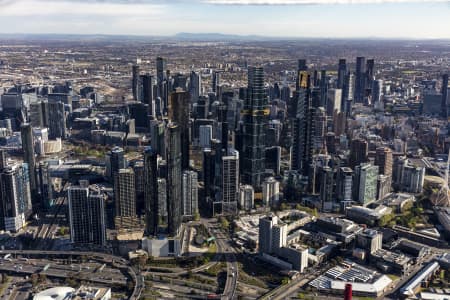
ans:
(218, 37)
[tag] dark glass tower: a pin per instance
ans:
(303, 126)
(445, 104)
(151, 191)
(86, 215)
(342, 72)
(255, 115)
(173, 178)
(360, 79)
(135, 82)
(195, 86)
(26, 132)
(215, 81)
(323, 88)
(179, 114)
(161, 83)
(147, 89)
(115, 160)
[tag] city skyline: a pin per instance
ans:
(269, 18)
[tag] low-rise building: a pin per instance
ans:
(365, 215)
(365, 282)
(414, 285)
(388, 261)
(399, 202)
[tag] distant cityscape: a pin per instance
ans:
(202, 168)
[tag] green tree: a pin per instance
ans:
(34, 279)
(5, 278)
(385, 220)
(284, 206)
(42, 278)
(224, 223)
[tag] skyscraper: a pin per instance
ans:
(56, 119)
(230, 182)
(342, 73)
(361, 78)
(384, 160)
(255, 116)
(318, 129)
(161, 82)
(190, 193)
(36, 115)
(151, 191)
(370, 72)
(147, 91)
(445, 97)
(26, 132)
(327, 188)
(344, 183)
(157, 132)
(359, 150)
(271, 192)
(208, 172)
(15, 197)
(136, 82)
(45, 186)
(174, 168)
(161, 66)
(246, 197)
(348, 93)
(125, 198)
(179, 114)
(215, 81)
(365, 183)
(334, 102)
(377, 91)
(265, 233)
(115, 160)
(301, 68)
(195, 86)
(323, 88)
(303, 126)
(87, 215)
(3, 159)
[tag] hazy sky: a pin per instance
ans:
(287, 18)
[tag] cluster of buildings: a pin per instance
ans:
(337, 139)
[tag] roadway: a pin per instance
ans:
(115, 261)
(224, 246)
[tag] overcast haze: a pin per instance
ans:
(284, 18)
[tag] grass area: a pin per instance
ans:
(4, 284)
(263, 272)
(166, 263)
(119, 296)
(245, 278)
(215, 269)
(206, 257)
(393, 277)
(203, 279)
(88, 151)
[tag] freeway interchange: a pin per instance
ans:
(100, 268)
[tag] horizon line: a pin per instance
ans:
(192, 36)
